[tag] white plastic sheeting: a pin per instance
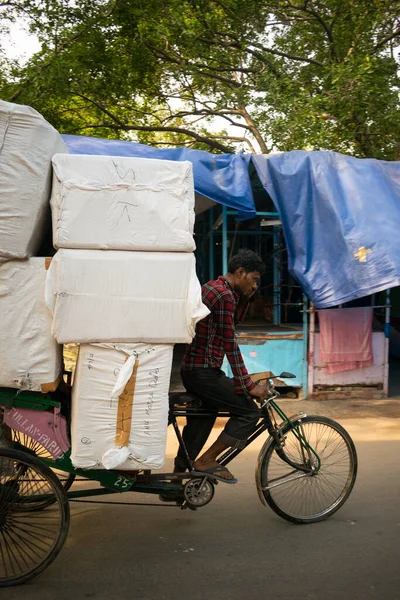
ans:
(119, 203)
(30, 358)
(118, 296)
(100, 373)
(27, 144)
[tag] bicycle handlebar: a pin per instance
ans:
(272, 392)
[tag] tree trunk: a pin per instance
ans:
(253, 128)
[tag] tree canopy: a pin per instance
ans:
(286, 74)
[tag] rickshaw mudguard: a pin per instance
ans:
(48, 428)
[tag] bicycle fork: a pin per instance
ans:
(307, 452)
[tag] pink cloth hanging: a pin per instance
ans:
(345, 338)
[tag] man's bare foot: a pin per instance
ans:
(205, 467)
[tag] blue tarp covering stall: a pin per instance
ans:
(340, 215)
(223, 178)
(341, 220)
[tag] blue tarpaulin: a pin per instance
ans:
(340, 215)
(341, 220)
(223, 178)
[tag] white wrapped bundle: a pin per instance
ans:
(106, 433)
(119, 203)
(117, 296)
(27, 145)
(30, 358)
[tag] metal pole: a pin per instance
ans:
(386, 346)
(277, 276)
(224, 240)
(211, 243)
(311, 350)
(305, 346)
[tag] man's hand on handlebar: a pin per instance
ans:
(260, 392)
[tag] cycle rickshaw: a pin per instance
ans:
(305, 471)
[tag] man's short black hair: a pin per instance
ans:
(248, 260)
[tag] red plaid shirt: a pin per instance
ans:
(215, 334)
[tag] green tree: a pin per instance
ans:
(289, 74)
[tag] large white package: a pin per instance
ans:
(122, 203)
(27, 144)
(97, 420)
(118, 296)
(30, 358)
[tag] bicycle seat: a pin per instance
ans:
(183, 400)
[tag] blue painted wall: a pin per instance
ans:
(272, 355)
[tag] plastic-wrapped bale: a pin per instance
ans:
(30, 358)
(120, 406)
(118, 296)
(122, 203)
(27, 144)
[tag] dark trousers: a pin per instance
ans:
(217, 392)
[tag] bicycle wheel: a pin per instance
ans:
(33, 447)
(29, 541)
(308, 497)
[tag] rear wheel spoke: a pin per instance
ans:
(29, 541)
(40, 451)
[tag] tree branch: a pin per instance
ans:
(236, 44)
(311, 61)
(166, 56)
(207, 113)
(227, 70)
(100, 107)
(387, 39)
(255, 53)
(236, 139)
(199, 138)
(321, 21)
(262, 59)
(162, 53)
(253, 128)
(151, 128)
(229, 82)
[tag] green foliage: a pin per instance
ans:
(288, 74)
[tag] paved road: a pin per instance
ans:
(237, 549)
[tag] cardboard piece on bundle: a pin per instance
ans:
(117, 296)
(120, 406)
(30, 358)
(27, 144)
(122, 203)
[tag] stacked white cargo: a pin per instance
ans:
(117, 296)
(30, 359)
(99, 417)
(117, 203)
(27, 144)
(123, 284)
